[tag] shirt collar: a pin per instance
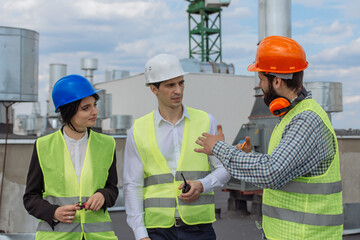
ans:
(73, 140)
(308, 96)
(158, 118)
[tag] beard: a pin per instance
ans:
(270, 95)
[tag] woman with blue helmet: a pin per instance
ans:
(72, 177)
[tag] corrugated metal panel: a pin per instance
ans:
(19, 65)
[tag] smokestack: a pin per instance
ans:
(57, 71)
(89, 65)
(274, 20)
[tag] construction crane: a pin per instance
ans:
(204, 18)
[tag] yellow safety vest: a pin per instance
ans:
(306, 207)
(160, 191)
(62, 186)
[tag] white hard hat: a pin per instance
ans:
(162, 67)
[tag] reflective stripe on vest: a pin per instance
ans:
(65, 200)
(160, 202)
(60, 227)
(60, 181)
(160, 188)
(312, 188)
(301, 217)
(307, 207)
(202, 200)
(75, 227)
(171, 202)
(169, 178)
(97, 227)
(191, 175)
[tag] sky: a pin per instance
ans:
(124, 34)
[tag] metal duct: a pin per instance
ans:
(222, 68)
(274, 18)
(327, 94)
(57, 71)
(120, 123)
(19, 65)
(104, 105)
(3, 118)
(216, 3)
(89, 65)
(115, 74)
(3, 114)
(195, 66)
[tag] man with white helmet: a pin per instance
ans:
(300, 174)
(158, 151)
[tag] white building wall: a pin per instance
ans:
(229, 98)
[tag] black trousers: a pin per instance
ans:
(188, 232)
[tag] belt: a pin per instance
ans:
(179, 223)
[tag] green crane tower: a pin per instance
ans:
(205, 29)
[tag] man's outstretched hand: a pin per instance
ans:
(208, 141)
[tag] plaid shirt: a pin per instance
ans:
(307, 148)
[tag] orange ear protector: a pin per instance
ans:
(280, 106)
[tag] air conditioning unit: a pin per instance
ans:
(216, 3)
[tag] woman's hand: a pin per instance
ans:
(66, 213)
(95, 202)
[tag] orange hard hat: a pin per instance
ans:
(279, 54)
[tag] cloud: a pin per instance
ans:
(335, 28)
(349, 8)
(91, 9)
(151, 47)
(304, 23)
(336, 32)
(351, 99)
(21, 5)
(309, 3)
(347, 54)
(333, 71)
(239, 13)
(83, 15)
(346, 119)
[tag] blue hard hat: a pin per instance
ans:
(70, 89)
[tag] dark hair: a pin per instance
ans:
(295, 83)
(67, 111)
(157, 84)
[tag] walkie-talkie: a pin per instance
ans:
(186, 186)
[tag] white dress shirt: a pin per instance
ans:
(77, 151)
(169, 139)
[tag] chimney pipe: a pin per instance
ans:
(89, 65)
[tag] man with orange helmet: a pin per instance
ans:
(300, 173)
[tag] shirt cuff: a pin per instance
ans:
(219, 151)
(140, 233)
(206, 185)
